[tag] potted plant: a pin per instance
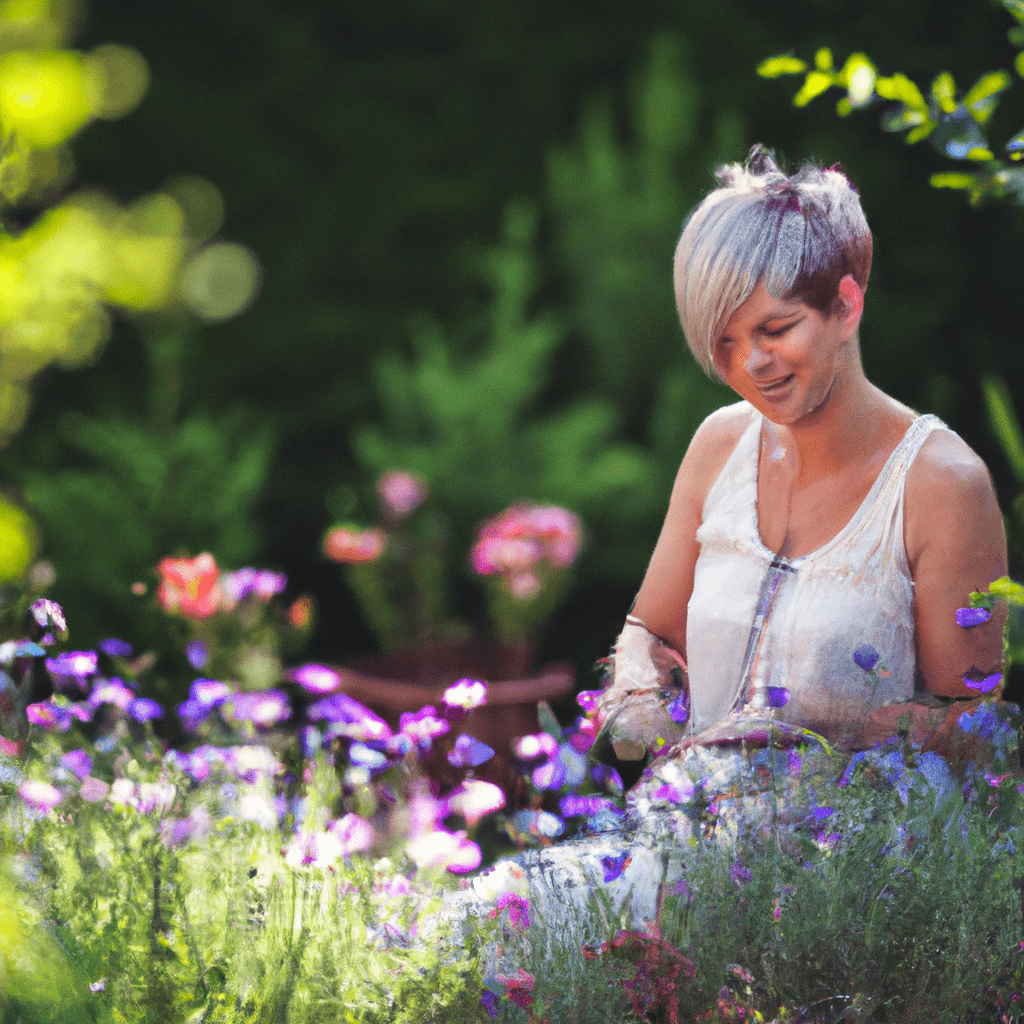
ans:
(402, 574)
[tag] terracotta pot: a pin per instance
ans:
(406, 680)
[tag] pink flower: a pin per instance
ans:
(40, 796)
(190, 586)
(423, 725)
(451, 850)
(519, 989)
(351, 545)
(401, 493)
(354, 834)
(466, 693)
(475, 798)
(518, 909)
(316, 678)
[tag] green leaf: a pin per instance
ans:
(823, 59)
(1005, 424)
(548, 722)
(921, 132)
(1019, 64)
(784, 64)
(814, 85)
(944, 91)
(981, 98)
(952, 180)
(979, 153)
(1006, 588)
(899, 87)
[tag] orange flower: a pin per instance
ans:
(190, 586)
(350, 544)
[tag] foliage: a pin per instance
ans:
(846, 915)
(953, 123)
(469, 422)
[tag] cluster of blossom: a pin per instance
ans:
(196, 588)
(523, 542)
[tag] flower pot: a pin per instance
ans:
(404, 681)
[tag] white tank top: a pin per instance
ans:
(763, 630)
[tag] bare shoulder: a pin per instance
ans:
(714, 441)
(948, 485)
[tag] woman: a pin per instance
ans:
(819, 539)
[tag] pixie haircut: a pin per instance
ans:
(799, 234)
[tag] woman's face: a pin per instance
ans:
(784, 357)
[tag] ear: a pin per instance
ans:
(852, 298)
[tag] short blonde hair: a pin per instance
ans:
(799, 234)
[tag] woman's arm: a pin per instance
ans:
(956, 543)
(668, 582)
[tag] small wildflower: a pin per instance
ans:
(739, 874)
(116, 648)
(984, 685)
(466, 693)
(469, 752)
(190, 586)
(518, 909)
(614, 865)
(489, 1001)
(866, 657)
(401, 493)
(350, 544)
(318, 679)
(519, 989)
(475, 798)
(40, 796)
(778, 696)
(971, 617)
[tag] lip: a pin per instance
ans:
(774, 388)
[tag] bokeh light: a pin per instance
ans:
(221, 280)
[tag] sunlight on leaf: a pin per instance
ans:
(944, 92)
(773, 67)
(982, 97)
(814, 85)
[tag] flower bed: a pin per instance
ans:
(290, 863)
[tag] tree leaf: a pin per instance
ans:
(982, 97)
(784, 64)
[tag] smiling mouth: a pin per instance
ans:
(774, 386)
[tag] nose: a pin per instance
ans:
(757, 359)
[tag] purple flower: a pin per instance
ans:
(607, 778)
(587, 699)
(317, 679)
(866, 657)
(197, 653)
(144, 710)
(78, 762)
(98, 986)
(615, 865)
(261, 583)
(574, 806)
(423, 726)
(489, 1001)
(349, 718)
(116, 648)
(518, 909)
(263, 708)
(679, 709)
(367, 757)
(969, 617)
(739, 874)
(469, 752)
(112, 692)
(72, 668)
(778, 696)
(985, 685)
(49, 615)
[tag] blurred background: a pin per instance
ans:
(438, 237)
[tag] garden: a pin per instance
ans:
(240, 784)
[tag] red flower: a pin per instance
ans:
(350, 544)
(190, 586)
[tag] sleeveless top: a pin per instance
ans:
(764, 631)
